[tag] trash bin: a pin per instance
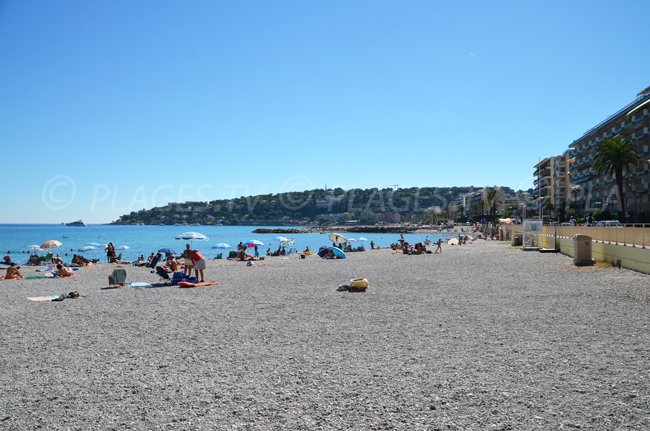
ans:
(517, 240)
(582, 250)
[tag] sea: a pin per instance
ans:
(134, 241)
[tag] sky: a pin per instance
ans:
(108, 107)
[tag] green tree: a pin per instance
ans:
(612, 157)
(493, 197)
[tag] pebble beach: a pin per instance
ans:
(480, 337)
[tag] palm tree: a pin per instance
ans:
(612, 157)
(493, 198)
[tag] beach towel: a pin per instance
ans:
(50, 298)
(140, 284)
(185, 284)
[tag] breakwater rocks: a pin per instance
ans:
(285, 230)
(356, 229)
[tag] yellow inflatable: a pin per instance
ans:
(359, 283)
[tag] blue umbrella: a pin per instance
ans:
(167, 250)
(221, 245)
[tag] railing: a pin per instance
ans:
(635, 235)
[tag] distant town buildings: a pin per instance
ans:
(570, 182)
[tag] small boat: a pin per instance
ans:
(76, 223)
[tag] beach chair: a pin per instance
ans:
(154, 262)
(163, 274)
(117, 277)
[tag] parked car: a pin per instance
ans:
(609, 223)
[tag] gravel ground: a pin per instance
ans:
(479, 337)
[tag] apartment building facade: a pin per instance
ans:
(592, 191)
(552, 180)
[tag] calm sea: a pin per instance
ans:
(16, 238)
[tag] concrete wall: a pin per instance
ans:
(635, 258)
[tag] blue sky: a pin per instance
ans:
(114, 106)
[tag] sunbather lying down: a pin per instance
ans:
(243, 256)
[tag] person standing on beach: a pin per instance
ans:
(188, 260)
(110, 252)
(439, 243)
(199, 264)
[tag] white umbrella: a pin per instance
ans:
(221, 245)
(361, 238)
(192, 236)
(351, 240)
(282, 238)
(123, 247)
(94, 244)
(337, 238)
(86, 248)
(35, 247)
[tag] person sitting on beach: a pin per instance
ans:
(306, 250)
(7, 260)
(171, 264)
(57, 260)
(13, 272)
(244, 256)
(63, 271)
(34, 260)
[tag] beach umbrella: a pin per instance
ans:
(51, 244)
(252, 243)
(452, 241)
(35, 247)
(94, 244)
(192, 236)
(337, 238)
(221, 245)
(123, 247)
(167, 250)
(86, 248)
(282, 238)
(338, 253)
(362, 239)
(351, 240)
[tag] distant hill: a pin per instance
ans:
(317, 206)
